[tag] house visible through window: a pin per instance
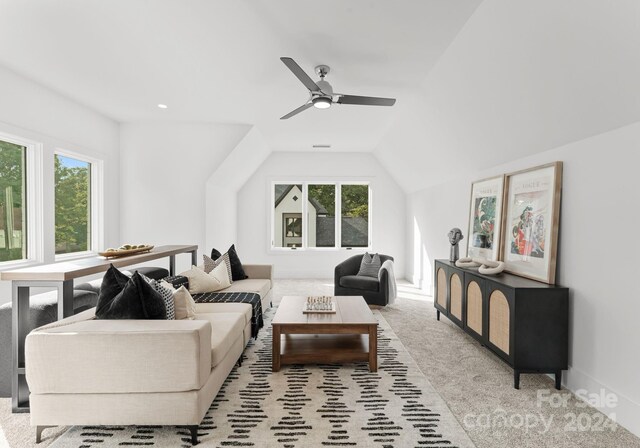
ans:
(13, 216)
(73, 205)
(320, 215)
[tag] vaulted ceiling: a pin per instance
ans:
(477, 83)
(218, 61)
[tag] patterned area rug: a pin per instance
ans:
(307, 407)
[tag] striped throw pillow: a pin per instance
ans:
(370, 265)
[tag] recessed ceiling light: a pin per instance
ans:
(162, 106)
(322, 146)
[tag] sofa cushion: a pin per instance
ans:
(118, 356)
(227, 307)
(257, 285)
(361, 282)
(136, 300)
(225, 329)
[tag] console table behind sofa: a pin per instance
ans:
(61, 276)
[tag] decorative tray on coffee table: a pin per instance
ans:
(116, 253)
(319, 305)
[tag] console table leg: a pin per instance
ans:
(20, 324)
(516, 379)
(559, 380)
(172, 265)
(194, 257)
(438, 314)
(65, 299)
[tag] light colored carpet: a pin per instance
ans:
(472, 381)
(308, 406)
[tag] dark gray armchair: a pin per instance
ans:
(374, 290)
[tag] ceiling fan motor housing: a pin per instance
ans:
(325, 87)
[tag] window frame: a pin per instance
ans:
(305, 224)
(96, 204)
(34, 202)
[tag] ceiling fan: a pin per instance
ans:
(321, 92)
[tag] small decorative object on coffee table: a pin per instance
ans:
(319, 304)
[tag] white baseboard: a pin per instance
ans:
(626, 412)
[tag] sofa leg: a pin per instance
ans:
(39, 430)
(194, 434)
(240, 360)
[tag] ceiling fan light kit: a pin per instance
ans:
(322, 102)
(321, 92)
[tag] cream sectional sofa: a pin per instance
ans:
(84, 371)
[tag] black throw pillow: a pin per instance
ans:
(137, 300)
(215, 254)
(237, 271)
(112, 283)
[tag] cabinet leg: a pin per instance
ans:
(516, 379)
(559, 380)
(438, 314)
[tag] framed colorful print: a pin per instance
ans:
(531, 221)
(485, 218)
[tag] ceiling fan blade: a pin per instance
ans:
(365, 100)
(300, 74)
(297, 111)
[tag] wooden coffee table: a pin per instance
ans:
(348, 335)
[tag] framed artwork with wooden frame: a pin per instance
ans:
(485, 218)
(531, 221)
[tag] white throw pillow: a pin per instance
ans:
(199, 281)
(184, 305)
(221, 274)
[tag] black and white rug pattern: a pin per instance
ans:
(306, 407)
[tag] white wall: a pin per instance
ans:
(597, 255)
(164, 171)
(31, 111)
(254, 211)
(521, 77)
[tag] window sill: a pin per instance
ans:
(317, 250)
(75, 256)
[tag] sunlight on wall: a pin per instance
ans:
(422, 266)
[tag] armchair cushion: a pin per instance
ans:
(360, 282)
(370, 265)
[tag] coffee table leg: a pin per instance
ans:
(373, 348)
(275, 355)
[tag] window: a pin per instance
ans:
(77, 223)
(13, 210)
(321, 212)
(355, 216)
(321, 215)
(288, 215)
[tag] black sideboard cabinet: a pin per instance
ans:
(524, 322)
